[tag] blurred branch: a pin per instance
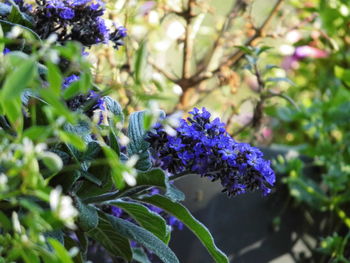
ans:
(189, 83)
(188, 44)
(284, 96)
(162, 71)
(236, 8)
(239, 54)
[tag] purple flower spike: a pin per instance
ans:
(204, 147)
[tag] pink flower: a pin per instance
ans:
(309, 52)
(301, 52)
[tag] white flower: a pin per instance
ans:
(15, 32)
(129, 174)
(124, 140)
(170, 130)
(132, 161)
(291, 154)
(130, 177)
(52, 38)
(16, 224)
(177, 89)
(175, 30)
(63, 207)
(174, 119)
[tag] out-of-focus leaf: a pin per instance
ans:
(60, 250)
(140, 62)
(343, 74)
(54, 78)
(287, 80)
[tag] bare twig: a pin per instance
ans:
(284, 96)
(188, 44)
(239, 54)
(237, 7)
(162, 71)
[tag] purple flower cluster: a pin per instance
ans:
(79, 20)
(79, 100)
(204, 147)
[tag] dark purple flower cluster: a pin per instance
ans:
(204, 147)
(79, 20)
(79, 100)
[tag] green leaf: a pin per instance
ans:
(146, 218)
(72, 139)
(138, 145)
(343, 74)
(18, 80)
(55, 234)
(182, 213)
(61, 252)
(18, 17)
(143, 237)
(29, 256)
(90, 177)
(102, 172)
(260, 50)
(281, 80)
(52, 161)
(2, 45)
(54, 78)
(59, 107)
(140, 63)
(154, 177)
(13, 110)
(5, 222)
(246, 50)
(157, 177)
(113, 141)
(110, 239)
(69, 243)
(88, 217)
(139, 255)
(82, 129)
(116, 167)
(37, 133)
(114, 107)
(93, 149)
(85, 82)
(72, 90)
(173, 193)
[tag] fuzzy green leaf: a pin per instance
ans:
(182, 213)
